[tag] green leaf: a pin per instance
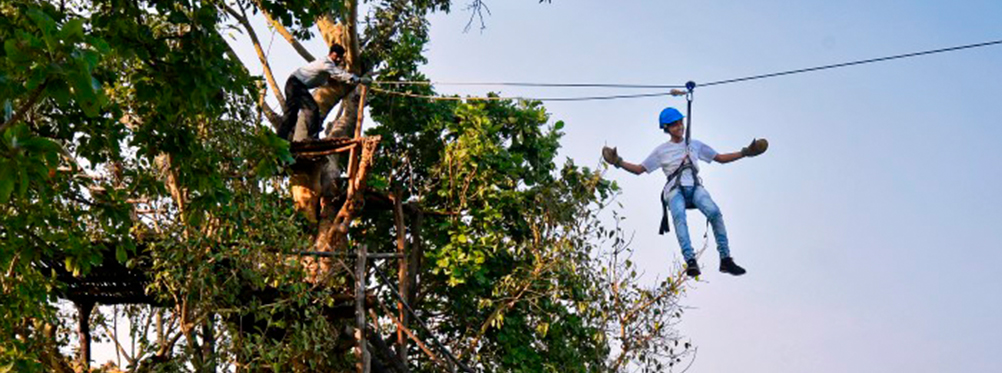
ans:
(15, 54)
(22, 189)
(99, 44)
(559, 125)
(84, 91)
(48, 27)
(58, 90)
(90, 59)
(36, 78)
(72, 30)
(120, 254)
(264, 169)
(6, 181)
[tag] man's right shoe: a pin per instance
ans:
(727, 265)
(692, 268)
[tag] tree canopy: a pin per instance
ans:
(133, 135)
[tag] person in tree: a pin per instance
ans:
(299, 84)
(677, 158)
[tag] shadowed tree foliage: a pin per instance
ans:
(134, 141)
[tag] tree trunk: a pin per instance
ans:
(311, 182)
(83, 329)
(402, 267)
(209, 343)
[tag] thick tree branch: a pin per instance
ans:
(242, 18)
(285, 33)
(354, 51)
(35, 95)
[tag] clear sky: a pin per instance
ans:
(870, 229)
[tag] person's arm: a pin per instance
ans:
(727, 157)
(341, 75)
(611, 156)
(635, 169)
(757, 146)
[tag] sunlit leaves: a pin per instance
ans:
(27, 158)
(59, 58)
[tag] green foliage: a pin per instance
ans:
(140, 144)
(54, 56)
(119, 97)
(517, 263)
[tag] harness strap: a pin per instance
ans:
(687, 164)
(676, 176)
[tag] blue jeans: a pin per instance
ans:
(700, 198)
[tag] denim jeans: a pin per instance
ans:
(700, 198)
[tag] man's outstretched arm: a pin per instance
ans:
(635, 169)
(611, 155)
(757, 146)
(728, 157)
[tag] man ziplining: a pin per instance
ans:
(299, 84)
(684, 188)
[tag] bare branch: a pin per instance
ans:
(410, 334)
(476, 9)
(275, 119)
(114, 338)
(242, 18)
(285, 33)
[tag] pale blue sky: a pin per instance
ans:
(871, 227)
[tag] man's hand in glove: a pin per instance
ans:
(611, 156)
(757, 146)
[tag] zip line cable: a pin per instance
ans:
(639, 95)
(525, 84)
(860, 62)
(502, 98)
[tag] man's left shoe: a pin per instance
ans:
(727, 265)
(692, 268)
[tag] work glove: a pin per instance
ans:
(757, 146)
(611, 156)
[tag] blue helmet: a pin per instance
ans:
(668, 116)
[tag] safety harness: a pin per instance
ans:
(675, 178)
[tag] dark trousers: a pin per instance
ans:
(298, 97)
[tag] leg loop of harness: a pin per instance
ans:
(665, 225)
(687, 195)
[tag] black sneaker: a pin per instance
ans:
(727, 265)
(692, 268)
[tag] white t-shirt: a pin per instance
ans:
(668, 157)
(315, 73)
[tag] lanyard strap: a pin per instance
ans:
(690, 86)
